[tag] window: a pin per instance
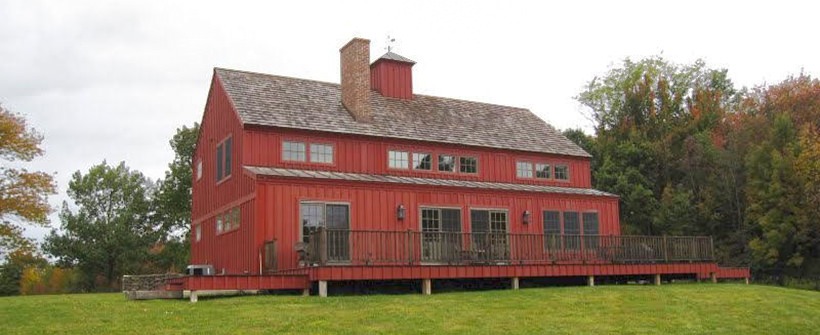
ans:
(293, 151)
(552, 230)
(321, 153)
(441, 234)
(198, 233)
(398, 159)
(468, 164)
(334, 217)
(542, 171)
(447, 163)
(219, 223)
(223, 159)
(572, 227)
(422, 161)
(561, 172)
(489, 229)
(523, 169)
(591, 231)
(198, 169)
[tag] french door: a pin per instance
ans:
(489, 234)
(440, 235)
(336, 219)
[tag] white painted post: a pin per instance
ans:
(323, 288)
(591, 281)
(657, 279)
(193, 297)
(306, 292)
(426, 286)
(714, 277)
(515, 283)
(747, 280)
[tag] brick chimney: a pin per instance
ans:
(355, 59)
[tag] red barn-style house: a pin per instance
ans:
(300, 182)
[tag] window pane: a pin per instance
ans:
(430, 220)
(591, 224)
(337, 217)
(451, 220)
(422, 161)
(573, 228)
(198, 169)
(468, 164)
(480, 221)
(219, 223)
(293, 151)
(236, 218)
(447, 163)
(498, 222)
(398, 159)
(219, 162)
(552, 223)
(228, 149)
(542, 171)
(561, 172)
(198, 232)
(523, 169)
(321, 153)
(312, 219)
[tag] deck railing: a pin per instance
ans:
(371, 247)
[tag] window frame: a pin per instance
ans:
(518, 169)
(537, 171)
(415, 155)
(391, 157)
(309, 152)
(461, 164)
(305, 145)
(439, 160)
(324, 213)
(555, 172)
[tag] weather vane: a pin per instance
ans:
(390, 42)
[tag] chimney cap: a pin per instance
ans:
(395, 57)
(357, 40)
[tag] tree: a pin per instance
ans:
(23, 194)
(173, 200)
(109, 230)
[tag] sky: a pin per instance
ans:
(113, 80)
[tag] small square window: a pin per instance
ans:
(219, 227)
(293, 151)
(198, 234)
(523, 169)
(447, 163)
(198, 169)
(422, 161)
(468, 164)
(561, 172)
(321, 153)
(543, 171)
(398, 159)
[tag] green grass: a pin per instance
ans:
(679, 308)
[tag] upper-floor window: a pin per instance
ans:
(198, 233)
(293, 151)
(523, 169)
(422, 161)
(447, 163)
(321, 153)
(223, 159)
(561, 172)
(398, 159)
(542, 171)
(228, 221)
(468, 164)
(198, 169)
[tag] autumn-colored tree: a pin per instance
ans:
(23, 194)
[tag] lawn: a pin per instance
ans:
(641, 309)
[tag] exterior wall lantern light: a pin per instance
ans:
(400, 212)
(527, 216)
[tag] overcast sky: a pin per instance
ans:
(113, 79)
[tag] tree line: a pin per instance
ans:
(691, 154)
(687, 152)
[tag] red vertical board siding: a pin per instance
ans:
(231, 251)
(392, 79)
(373, 207)
(363, 154)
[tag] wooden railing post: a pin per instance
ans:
(409, 246)
(665, 250)
(711, 248)
(322, 245)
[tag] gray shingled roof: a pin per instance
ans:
(268, 100)
(396, 57)
(311, 174)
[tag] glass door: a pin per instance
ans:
(489, 234)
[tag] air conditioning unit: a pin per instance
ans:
(199, 270)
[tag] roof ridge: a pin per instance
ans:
(337, 85)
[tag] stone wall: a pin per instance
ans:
(147, 282)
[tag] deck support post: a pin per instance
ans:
(306, 292)
(193, 297)
(591, 281)
(657, 279)
(426, 286)
(515, 283)
(747, 280)
(323, 288)
(713, 275)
